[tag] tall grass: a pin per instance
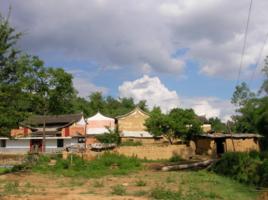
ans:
(106, 164)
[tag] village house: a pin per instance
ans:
(131, 127)
(219, 143)
(97, 125)
(60, 131)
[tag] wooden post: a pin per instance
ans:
(44, 135)
(230, 132)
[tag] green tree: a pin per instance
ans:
(26, 86)
(242, 94)
(178, 123)
(217, 125)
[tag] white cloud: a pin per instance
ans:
(151, 90)
(143, 35)
(85, 87)
(156, 93)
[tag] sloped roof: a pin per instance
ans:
(234, 135)
(137, 134)
(134, 110)
(52, 119)
(99, 117)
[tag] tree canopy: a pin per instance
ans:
(178, 123)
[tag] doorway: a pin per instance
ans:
(36, 145)
(220, 146)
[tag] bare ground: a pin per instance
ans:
(48, 186)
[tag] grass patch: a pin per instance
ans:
(4, 170)
(170, 179)
(11, 187)
(165, 194)
(175, 158)
(140, 193)
(106, 164)
(98, 184)
(140, 183)
(119, 190)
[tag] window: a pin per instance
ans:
(2, 143)
(60, 143)
(81, 140)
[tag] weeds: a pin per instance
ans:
(106, 164)
(140, 183)
(98, 184)
(165, 194)
(118, 190)
(11, 188)
(139, 193)
(170, 179)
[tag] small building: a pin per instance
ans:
(60, 131)
(219, 143)
(97, 125)
(131, 127)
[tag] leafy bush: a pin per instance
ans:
(118, 190)
(244, 167)
(263, 172)
(110, 137)
(131, 143)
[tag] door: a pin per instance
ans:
(36, 145)
(220, 146)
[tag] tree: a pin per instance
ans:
(26, 86)
(242, 94)
(178, 123)
(217, 125)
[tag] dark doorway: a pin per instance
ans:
(36, 145)
(220, 146)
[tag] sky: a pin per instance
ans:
(172, 53)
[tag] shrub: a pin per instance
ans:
(112, 136)
(239, 166)
(118, 190)
(263, 172)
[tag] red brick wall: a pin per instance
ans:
(20, 132)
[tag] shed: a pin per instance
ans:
(217, 143)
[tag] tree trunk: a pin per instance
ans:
(188, 166)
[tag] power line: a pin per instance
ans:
(244, 44)
(258, 60)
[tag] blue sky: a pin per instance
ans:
(172, 53)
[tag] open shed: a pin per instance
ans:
(218, 143)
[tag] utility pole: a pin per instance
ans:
(44, 134)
